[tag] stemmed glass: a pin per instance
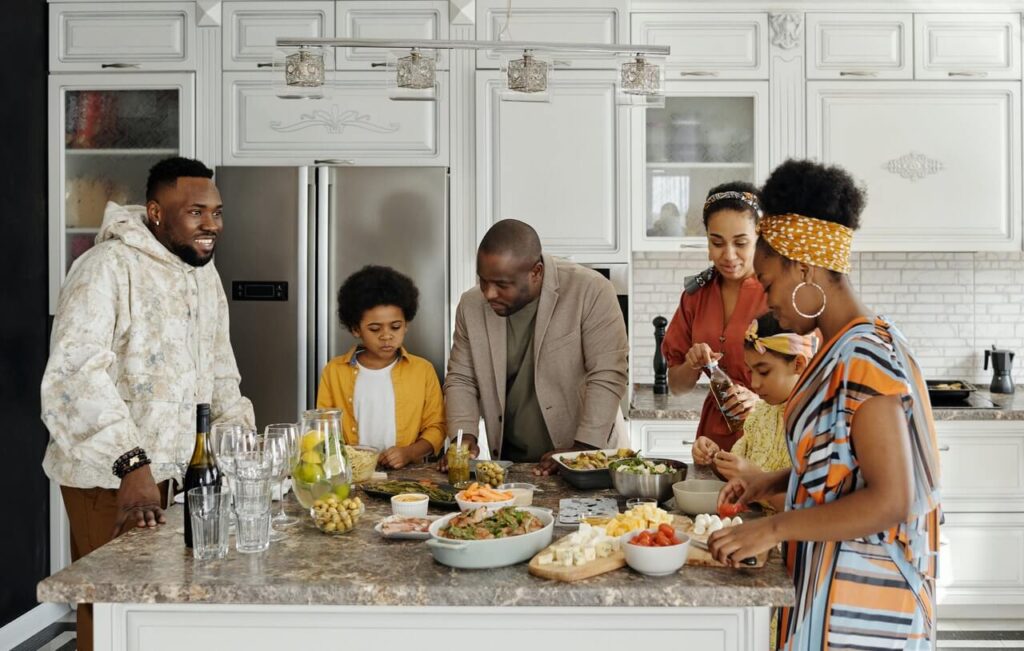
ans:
(184, 446)
(283, 438)
(228, 439)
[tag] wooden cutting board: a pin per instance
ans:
(578, 572)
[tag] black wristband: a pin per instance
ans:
(131, 460)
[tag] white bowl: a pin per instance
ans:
(522, 493)
(466, 505)
(696, 496)
(404, 504)
(655, 561)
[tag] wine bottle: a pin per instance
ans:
(202, 468)
(720, 385)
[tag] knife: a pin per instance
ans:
(700, 544)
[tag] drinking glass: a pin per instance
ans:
(210, 508)
(275, 446)
(284, 437)
(253, 473)
(226, 438)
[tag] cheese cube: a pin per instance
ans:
(589, 554)
(546, 559)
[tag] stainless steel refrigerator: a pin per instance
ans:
(291, 237)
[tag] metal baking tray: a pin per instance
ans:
(949, 390)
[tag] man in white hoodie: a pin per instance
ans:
(140, 337)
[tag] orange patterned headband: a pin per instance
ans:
(809, 240)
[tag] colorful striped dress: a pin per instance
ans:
(876, 592)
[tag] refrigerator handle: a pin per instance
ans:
(323, 207)
(307, 201)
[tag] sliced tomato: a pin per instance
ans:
(731, 510)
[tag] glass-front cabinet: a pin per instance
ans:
(106, 131)
(707, 133)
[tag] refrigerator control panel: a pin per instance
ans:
(259, 290)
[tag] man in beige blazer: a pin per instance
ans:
(539, 351)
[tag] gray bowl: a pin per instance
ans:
(656, 487)
(696, 496)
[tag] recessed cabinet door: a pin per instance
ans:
(122, 36)
(982, 560)
(556, 165)
(717, 46)
(415, 19)
(859, 46)
(940, 160)
(354, 122)
(565, 21)
(982, 465)
(664, 439)
(958, 46)
(251, 29)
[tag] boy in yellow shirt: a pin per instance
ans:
(389, 398)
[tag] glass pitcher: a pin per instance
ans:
(323, 467)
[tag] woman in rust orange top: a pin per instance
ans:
(716, 307)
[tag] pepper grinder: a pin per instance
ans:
(660, 366)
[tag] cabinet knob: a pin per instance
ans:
(266, 64)
(379, 64)
(698, 73)
(119, 65)
(332, 161)
(858, 73)
(692, 246)
(967, 73)
(943, 448)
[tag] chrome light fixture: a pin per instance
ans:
(640, 77)
(527, 75)
(305, 68)
(416, 71)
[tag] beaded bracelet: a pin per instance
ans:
(131, 460)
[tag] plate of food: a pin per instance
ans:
(588, 469)
(441, 495)
(478, 540)
(405, 527)
(949, 390)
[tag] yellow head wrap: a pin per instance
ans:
(809, 240)
(787, 343)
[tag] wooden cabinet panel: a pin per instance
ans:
(723, 46)
(941, 160)
(982, 465)
(666, 439)
(416, 19)
(857, 46)
(982, 559)
(122, 36)
(981, 46)
(251, 29)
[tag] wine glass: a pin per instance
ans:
(225, 439)
(184, 446)
(285, 437)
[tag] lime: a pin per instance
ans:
(311, 439)
(341, 491)
(334, 465)
(312, 457)
(309, 473)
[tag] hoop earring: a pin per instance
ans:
(824, 300)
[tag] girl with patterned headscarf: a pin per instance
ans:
(861, 527)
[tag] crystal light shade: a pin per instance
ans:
(416, 71)
(305, 68)
(528, 75)
(641, 77)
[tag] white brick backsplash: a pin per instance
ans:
(951, 306)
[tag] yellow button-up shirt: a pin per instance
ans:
(419, 404)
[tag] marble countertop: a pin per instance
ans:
(647, 406)
(361, 568)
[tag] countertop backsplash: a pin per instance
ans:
(950, 305)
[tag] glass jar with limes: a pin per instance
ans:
(323, 468)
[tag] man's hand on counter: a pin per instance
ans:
(474, 451)
(548, 466)
(138, 502)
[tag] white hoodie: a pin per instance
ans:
(139, 338)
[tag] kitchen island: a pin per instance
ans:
(361, 591)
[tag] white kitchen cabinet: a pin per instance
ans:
(720, 45)
(354, 122)
(413, 19)
(858, 46)
(105, 131)
(972, 46)
(568, 21)
(122, 36)
(941, 161)
(710, 132)
(251, 29)
(984, 565)
(982, 465)
(560, 166)
(664, 439)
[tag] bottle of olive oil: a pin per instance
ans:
(202, 469)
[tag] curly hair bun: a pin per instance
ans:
(809, 188)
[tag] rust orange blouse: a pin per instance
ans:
(699, 319)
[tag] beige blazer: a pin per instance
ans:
(580, 350)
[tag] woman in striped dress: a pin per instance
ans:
(860, 531)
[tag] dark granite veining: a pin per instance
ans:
(361, 568)
(647, 406)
